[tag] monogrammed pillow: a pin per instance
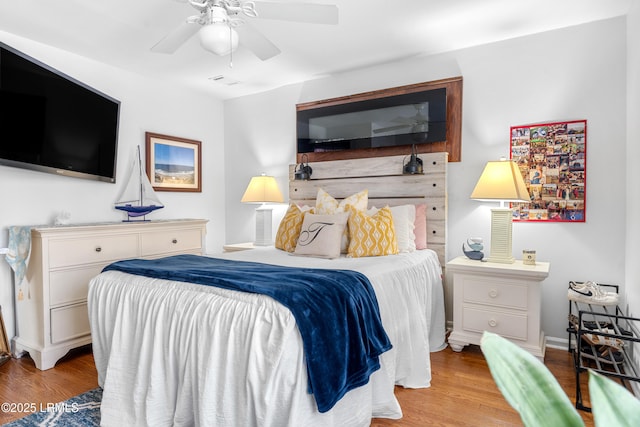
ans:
(320, 235)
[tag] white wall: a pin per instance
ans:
(29, 197)
(633, 157)
(574, 73)
(259, 138)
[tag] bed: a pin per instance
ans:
(177, 353)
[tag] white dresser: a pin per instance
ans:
(52, 313)
(500, 298)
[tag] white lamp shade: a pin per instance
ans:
(262, 189)
(501, 180)
(218, 38)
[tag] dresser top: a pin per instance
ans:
(120, 225)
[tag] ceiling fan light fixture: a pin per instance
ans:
(218, 38)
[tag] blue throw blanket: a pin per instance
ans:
(336, 312)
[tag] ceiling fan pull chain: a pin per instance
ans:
(230, 46)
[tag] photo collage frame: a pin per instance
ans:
(552, 160)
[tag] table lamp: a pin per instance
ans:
(263, 189)
(501, 181)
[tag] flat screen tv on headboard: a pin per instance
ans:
(50, 122)
(405, 119)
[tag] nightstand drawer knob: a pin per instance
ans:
(493, 293)
(174, 241)
(493, 323)
(98, 249)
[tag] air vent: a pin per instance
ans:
(224, 80)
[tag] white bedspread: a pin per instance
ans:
(172, 353)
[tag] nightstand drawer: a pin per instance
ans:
(494, 293)
(505, 324)
(68, 252)
(167, 242)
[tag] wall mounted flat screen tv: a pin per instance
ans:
(50, 122)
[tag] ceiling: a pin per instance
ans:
(121, 33)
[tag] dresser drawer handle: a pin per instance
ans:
(174, 241)
(98, 249)
(493, 323)
(493, 293)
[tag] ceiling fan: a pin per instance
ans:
(221, 27)
(419, 123)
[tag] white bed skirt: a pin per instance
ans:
(180, 354)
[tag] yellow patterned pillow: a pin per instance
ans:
(289, 228)
(372, 235)
(327, 205)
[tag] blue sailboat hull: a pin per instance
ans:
(137, 211)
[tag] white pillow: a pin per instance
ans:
(320, 235)
(404, 218)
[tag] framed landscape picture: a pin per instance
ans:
(173, 164)
(552, 159)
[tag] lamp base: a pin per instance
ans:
(498, 260)
(501, 233)
(263, 226)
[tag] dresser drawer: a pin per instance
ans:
(505, 324)
(68, 286)
(69, 322)
(95, 249)
(168, 242)
(494, 293)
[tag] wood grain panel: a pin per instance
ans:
(452, 144)
(433, 163)
(386, 185)
(401, 186)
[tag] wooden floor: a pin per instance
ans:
(462, 392)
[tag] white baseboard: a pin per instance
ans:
(557, 343)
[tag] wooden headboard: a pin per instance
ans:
(383, 178)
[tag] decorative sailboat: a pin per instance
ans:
(137, 197)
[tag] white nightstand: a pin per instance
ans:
(500, 298)
(235, 247)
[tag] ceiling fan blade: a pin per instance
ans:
(255, 41)
(300, 12)
(390, 128)
(176, 38)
